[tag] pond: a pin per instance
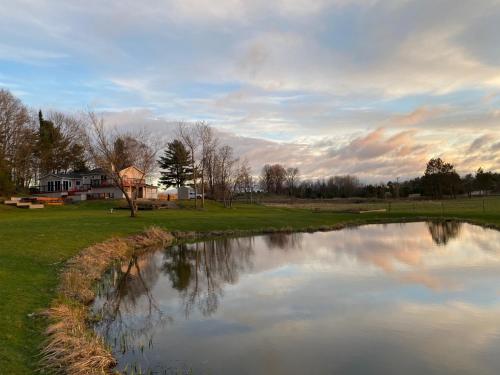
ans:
(416, 298)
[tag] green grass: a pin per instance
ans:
(34, 244)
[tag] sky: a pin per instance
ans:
(365, 87)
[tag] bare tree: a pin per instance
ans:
(244, 179)
(210, 170)
(188, 135)
(346, 185)
(18, 138)
(208, 144)
(266, 179)
(225, 176)
(70, 126)
(141, 150)
(291, 179)
(273, 178)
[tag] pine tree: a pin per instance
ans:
(78, 162)
(175, 165)
(46, 142)
(56, 149)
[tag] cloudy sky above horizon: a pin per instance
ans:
(367, 87)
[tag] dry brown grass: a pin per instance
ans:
(71, 347)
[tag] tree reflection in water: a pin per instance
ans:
(443, 231)
(199, 271)
(283, 241)
(196, 275)
(124, 291)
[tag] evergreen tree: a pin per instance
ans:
(6, 184)
(78, 159)
(45, 144)
(49, 146)
(175, 165)
(485, 181)
(440, 178)
(56, 150)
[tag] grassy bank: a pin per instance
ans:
(35, 244)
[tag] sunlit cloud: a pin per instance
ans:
(307, 83)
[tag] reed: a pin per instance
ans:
(71, 346)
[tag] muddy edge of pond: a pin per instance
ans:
(72, 347)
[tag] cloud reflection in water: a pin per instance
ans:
(398, 298)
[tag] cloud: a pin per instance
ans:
(495, 147)
(374, 155)
(29, 55)
(480, 141)
(342, 86)
(417, 116)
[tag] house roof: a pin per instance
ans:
(62, 175)
(131, 167)
(95, 171)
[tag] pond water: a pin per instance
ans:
(417, 298)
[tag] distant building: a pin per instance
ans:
(185, 192)
(96, 185)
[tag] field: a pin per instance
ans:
(444, 207)
(36, 243)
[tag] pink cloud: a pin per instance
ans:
(418, 116)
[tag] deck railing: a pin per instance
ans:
(129, 182)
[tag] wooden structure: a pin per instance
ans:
(33, 203)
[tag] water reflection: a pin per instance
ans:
(283, 241)
(398, 298)
(444, 231)
(200, 271)
(124, 291)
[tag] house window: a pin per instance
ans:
(77, 183)
(57, 185)
(50, 186)
(65, 185)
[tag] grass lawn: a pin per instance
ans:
(35, 243)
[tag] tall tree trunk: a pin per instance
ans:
(194, 180)
(132, 206)
(202, 189)
(131, 199)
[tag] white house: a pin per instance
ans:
(96, 185)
